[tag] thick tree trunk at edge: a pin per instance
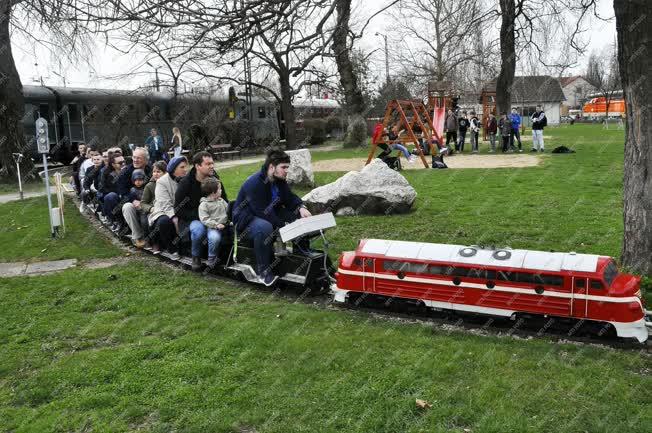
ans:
(507, 56)
(354, 100)
(634, 28)
(12, 105)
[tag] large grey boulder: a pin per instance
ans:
(300, 172)
(375, 190)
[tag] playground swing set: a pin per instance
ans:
(411, 115)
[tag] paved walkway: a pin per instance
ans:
(5, 198)
(261, 158)
(21, 268)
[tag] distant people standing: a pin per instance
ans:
(505, 125)
(463, 125)
(177, 142)
(492, 128)
(539, 122)
(154, 145)
(475, 131)
(516, 126)
(450, 125)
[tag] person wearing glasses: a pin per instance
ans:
(115, 199)
(109, 185)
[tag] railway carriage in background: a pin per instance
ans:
(498, 282)
(108, 117)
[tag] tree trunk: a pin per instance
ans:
(349, 81)
(288, 112)
(507, 56)
(12, 108)
(633, 26)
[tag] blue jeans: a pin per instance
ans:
(198, 233)
(398, 146)
(111, 201)
(261, 232)
(214, 238)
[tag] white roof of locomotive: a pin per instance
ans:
(526, 259)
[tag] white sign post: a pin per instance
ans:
(43, 145)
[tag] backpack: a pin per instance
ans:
(544, 121)
(392, 162)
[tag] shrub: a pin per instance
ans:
(356, 135)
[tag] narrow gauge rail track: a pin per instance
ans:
(525, 327)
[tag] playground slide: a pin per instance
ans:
(438, 117)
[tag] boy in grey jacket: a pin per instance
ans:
(212, 213)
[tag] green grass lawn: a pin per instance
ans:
(568, 203)
(25, 234)
(161, 350)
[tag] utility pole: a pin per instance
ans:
(156, 81)
(386, 55)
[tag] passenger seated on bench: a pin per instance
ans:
(147, 202)
(162, 219)
(186, 202)
(91, 183)
(212, 213)
(265, 203)
(131, 209)
(109, 187)
(394, 143)
(114, 200)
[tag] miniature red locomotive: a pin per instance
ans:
(498, 282)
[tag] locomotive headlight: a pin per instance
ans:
(42, 140)
(41, 131)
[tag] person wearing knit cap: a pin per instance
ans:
(131, 209)
(174, 163)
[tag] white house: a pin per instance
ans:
(530, 91)
(576, 89)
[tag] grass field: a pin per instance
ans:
(25, 234)
(141, 347)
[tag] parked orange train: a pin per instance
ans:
(597, 107)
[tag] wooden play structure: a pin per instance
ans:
(409, 114)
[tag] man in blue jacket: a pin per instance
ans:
(265, 203)
(516, 130)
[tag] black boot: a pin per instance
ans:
(196, 264)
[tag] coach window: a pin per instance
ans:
(460, 272)
(553, 280)
(44, 111)
(477, 273)
(506, 276)
(437, 270)
(597, 284)
(261, 112)
(580, 283)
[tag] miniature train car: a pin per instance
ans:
(497, 282)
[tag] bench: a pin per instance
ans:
(221, 151)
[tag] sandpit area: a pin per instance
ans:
(455, 161)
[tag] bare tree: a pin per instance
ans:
(633, 26)
(285, 39)
(440, 38)
(603, 73)
(534, 26)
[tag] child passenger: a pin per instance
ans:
(212, 213)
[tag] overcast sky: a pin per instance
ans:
(107, 62)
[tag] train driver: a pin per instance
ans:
(265, 203)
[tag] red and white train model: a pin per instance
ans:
(497, 282)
